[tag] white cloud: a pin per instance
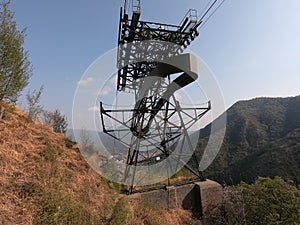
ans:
(85, 82)
(177, 95)
(94, 109)
(105, 90)
(114, 80)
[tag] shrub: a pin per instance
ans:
(267, 201)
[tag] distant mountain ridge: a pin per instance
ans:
(113, 146)
(262, 139)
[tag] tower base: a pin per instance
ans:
(205, 198)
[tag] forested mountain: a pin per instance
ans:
(262, 139)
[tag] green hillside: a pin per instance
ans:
(262, 139)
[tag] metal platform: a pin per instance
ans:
(135, 30)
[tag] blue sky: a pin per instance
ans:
(252, 46)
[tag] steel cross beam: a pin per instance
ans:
(132, 31)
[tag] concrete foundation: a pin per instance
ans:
(205, 197)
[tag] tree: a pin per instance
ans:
(86, 143)
(56, 120)
(33, 100)
(267, 201)
(15, 68)
(60, 123)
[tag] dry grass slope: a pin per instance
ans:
(45, 180)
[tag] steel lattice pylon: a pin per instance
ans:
(152, 128)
